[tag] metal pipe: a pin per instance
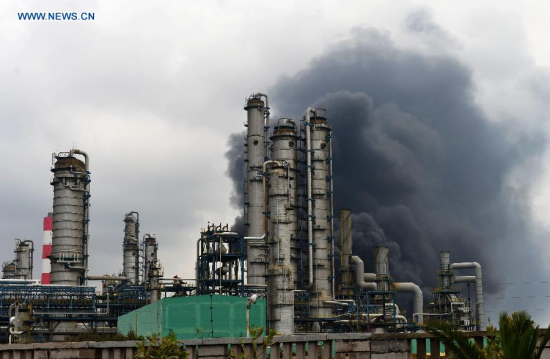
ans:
(478, 289)
(336, 303)
(360, 275)
(264, 168)
(259, 94)
(107, 277)
(86, 157)
(309, 199)
(369, 277)
(20, 281)
(332, 217)
(418, 300)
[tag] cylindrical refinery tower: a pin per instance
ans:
(150, 248)
(130, 247)
(346, 252)
(322, 216)
(280, 281)
(71, 192)
(283, 149)
(445, 271)
(255, 220)
(382, 268)
(23, 259)
(152, 268)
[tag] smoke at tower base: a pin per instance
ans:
(414, 158)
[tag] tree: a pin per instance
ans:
(156, 346)
(516, 339)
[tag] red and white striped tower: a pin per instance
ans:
(47, 248)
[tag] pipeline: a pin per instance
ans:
(309, 199)
(478, 288)
(360, 274)
(418, 300)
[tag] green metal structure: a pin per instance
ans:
(194, 317)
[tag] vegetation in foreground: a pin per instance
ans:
(516, 338)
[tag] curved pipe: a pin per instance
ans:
(86, 157)
(418, 300)
(259, 94)
(478, 287)
(360, 274)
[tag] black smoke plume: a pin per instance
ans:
(415, 158)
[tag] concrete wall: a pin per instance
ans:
(337, 346)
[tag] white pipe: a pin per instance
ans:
(360, 275)
(478, 289)
(336, 303)
(369, 277)
(418, 300)
(86, 157)
(86, 210)
(264, 168)
(464, 279)
(309, 198)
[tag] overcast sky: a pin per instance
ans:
(152, 91)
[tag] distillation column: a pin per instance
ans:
(346, 253)
(130, 248)
(279, 279)
(23, 259)
(150, 247)
(283, 149)
(254, 194)
(321, 193)
(69, 257)
(152, 268)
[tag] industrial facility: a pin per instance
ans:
(291, 271)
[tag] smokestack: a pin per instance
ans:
(47, 248)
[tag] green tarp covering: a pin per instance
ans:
(206, 316)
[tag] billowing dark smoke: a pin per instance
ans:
(236, 170)
(414, 157)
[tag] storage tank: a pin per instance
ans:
(254, 194)
(71, 179)
(130, 247)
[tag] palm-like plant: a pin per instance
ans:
(516, 339)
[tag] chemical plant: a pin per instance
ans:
(288, 260)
